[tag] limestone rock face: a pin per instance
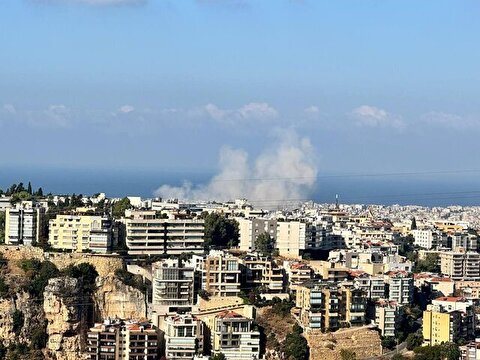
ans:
(65, 310)
(363, 341)
(115, 299)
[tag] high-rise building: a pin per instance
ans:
(149, 234)
(182, 336)
(400, 287)
(23, 224)
(172, 284)
(460, 265)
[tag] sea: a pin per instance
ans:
(387, 189)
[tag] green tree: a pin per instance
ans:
(120, 206)
(86, 272)
(18, 320)
(389, 342)
(414, 224)
(29, 188)
(295, 345)
(414, 340)
(429, 264)
(264, 244)
(220, 231)
(3, 288)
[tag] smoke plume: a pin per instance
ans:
(284, 172)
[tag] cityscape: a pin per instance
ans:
(239, 180)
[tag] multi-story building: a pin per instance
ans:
(250, 229)
(23, 224)
(235, 336)
(329, 306)
(221, 274)
(172, 284)
(400, 287)
(460, 265)
(264, 273)
(81, 233)
(149, 234)
(118, 340)
(182, 337)
(297, 274)
(425, 239)
(388, 317)
(374, 287)
(448, 319)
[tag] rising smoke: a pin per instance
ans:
(283, 172)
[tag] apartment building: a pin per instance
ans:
(149, 234)
(81, 233)
(373, 287)
(119, 340)
(425, 239)
(460, 265)
(182, 337)
(221, 274)
(469, 289)
(400, 287)
(235, 336)
(172, 284)
(388, 316)
(250, 229)
(448, 319)
(297, 274)
(23, 223)
(329, 306)
(263, 273)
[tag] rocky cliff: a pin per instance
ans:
(66, 312)
(115, 299)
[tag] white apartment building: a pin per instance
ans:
(425, 239)
(374, 287)
(172, 284)
(148, 234)
(387, 317)
(401, 287)
(182, 336)
(22, 224)
(234, 336)
(250, 229)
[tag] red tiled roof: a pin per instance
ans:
(450, 298)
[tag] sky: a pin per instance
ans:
(372, 85)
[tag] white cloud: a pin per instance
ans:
(126, 109)
(9, 109)
(57, 115)
(250, 111)
(371, 116)
(284, 172)
(452, 121)
(312, 110)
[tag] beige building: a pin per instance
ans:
(460, 265)
(388, 317)
(118, 340)
(81, 233)
(150, 234)
(221, 274)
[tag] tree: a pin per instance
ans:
(429, 264)
(2, 227)
(295, 345)
(86, 272)
(220, 231)
(29, 188)
(264, 244)
(414, 224)
(39, 192)
(414, 340)
(120, 206)
(389, 342)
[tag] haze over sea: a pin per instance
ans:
(407, 189)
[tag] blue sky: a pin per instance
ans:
(375, 85)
